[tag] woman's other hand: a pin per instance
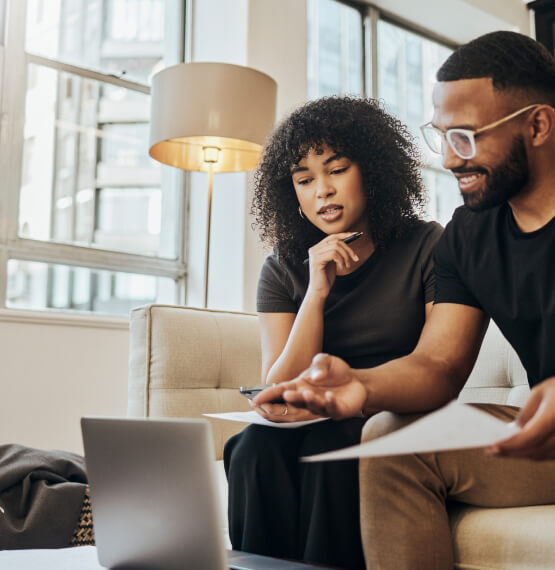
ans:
(282, 413)
(329, 387)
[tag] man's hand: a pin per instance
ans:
(329, 387)
(536, 439)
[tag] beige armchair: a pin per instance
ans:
(185, 362)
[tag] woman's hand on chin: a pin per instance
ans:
(324, 259)
(282, 413)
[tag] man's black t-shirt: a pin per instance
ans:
(485, 261)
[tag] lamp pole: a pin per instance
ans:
(211, 155)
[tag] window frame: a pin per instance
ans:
(363, 10)
(371, 15)
(376, 14)
(13, 87)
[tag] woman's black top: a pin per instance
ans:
(372, 315)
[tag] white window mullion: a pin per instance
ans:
(67, 254)
(3, 11)
(12, 113)
(88, 73)
(3, 275)
(371, 52)
(3, 29)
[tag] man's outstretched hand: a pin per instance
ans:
(536, 439)
(329, 387)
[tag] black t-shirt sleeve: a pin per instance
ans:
(449, 287)
(428, 275)
(274, 291)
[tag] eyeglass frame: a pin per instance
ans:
(470, 133)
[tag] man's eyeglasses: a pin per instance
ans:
(462, 141)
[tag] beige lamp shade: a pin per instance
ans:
(214, 114)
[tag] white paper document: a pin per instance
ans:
(253, 418)
(455, 426)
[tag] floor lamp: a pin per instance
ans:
(210, 117)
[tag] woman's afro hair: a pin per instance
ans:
(360, 130)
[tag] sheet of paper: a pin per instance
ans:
(76, 558)
(253, 418)
(455, 426)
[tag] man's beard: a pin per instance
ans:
(504, 182)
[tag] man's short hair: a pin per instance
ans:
(513, 62)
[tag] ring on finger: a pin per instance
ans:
(285, 411)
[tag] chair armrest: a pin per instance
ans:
(184, 362)
(498, 376)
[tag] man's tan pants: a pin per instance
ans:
(404, 520)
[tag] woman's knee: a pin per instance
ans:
(330, 435)
(257, 445)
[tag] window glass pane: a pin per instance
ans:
(139, 232)
(87, 177)
(115, 36)
(334, 49)
(443, 192)
(33, 285)
(2, 22)
(407, 63)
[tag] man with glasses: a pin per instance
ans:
(494, 125)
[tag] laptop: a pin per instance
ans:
(155, 499)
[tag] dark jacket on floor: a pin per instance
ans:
(41, 495)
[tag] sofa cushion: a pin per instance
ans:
(498, 376)
(184, 362)
(508, 538)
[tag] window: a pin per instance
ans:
(407, 63)
(36, 285)
(94, 224)
(403, 74)
(335, 46)
(2, 21)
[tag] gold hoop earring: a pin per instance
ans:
(301, 213)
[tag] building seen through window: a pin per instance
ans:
(3, 5)
(404, 78)
(335, 49)
(87, 178)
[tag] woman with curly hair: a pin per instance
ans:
(336, 166)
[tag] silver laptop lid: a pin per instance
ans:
(153, 492)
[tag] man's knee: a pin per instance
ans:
(376, 471)
(386, 422)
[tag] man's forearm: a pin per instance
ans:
(410, 384)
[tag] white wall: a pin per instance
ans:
(277, 46)
(460, 20)
(54, 370)
(219, 34)
(269, 36)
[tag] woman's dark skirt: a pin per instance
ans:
(281, 507)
